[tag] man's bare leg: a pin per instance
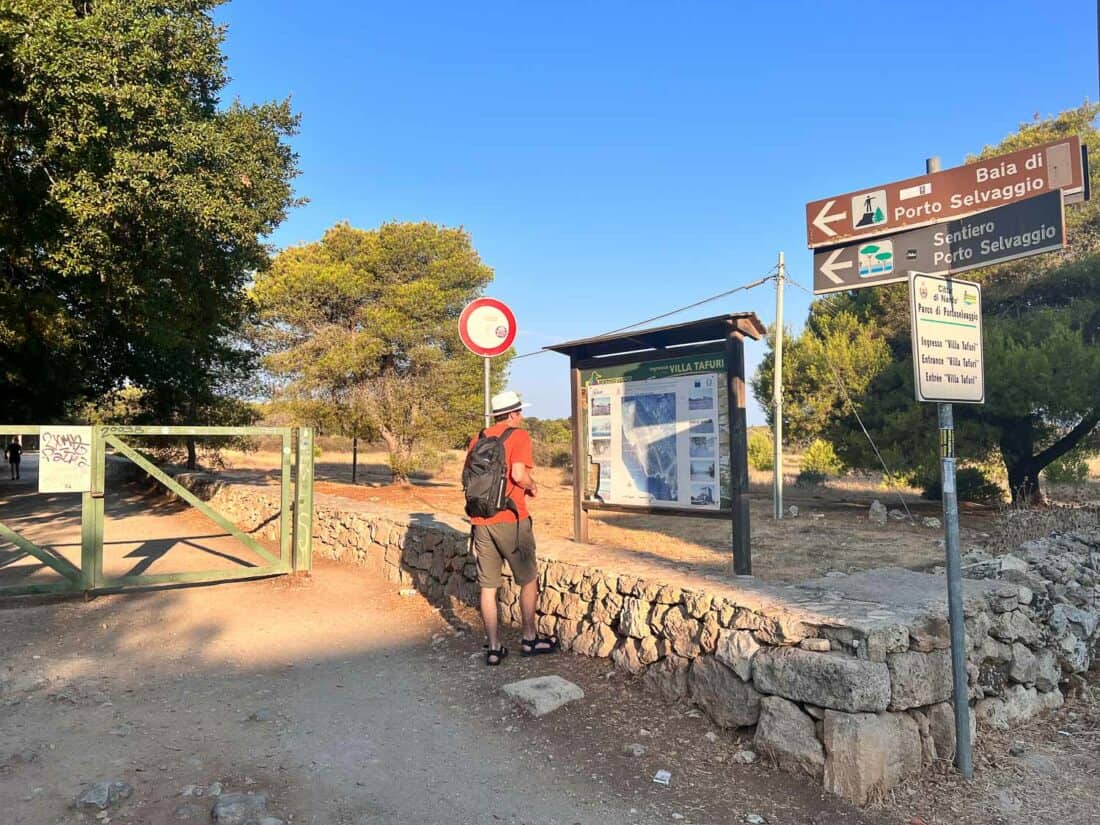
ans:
(528, 597)
(489, 616)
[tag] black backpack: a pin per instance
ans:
(485, 476)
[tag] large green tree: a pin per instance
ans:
(1042, 354)
(361, 328)
(133, 205)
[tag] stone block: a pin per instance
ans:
(787, 735)
(736, 648)
(941, 726)
(727, 699)
(883, 641)
(626, 584)
(603, 613)
(1018, 704)
(568, 631)
(657, 617)
(669, 594)
(1047, 671)
(596, 640)
(650, 649)
(1082, 622)
(708, 636)
(572, 607)
(626, 656)
(869, 753)
(668, 678)
(1014, 626)
(546, 625)
(634, 618)
(548, 602)
(697, 603)
(919, 679)
(238, 808)
(992, 650)
(727, 612)
(1073, 653)
(829, 680)
(543, 694)
(682, 632)
(784, 629)
(1024, 666)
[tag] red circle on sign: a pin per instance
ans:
(487, 327)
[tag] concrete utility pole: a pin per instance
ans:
(961, 691)
(777, 394)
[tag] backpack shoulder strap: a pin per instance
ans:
(504, 435)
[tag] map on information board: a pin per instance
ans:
(659, 432)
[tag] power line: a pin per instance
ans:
(767, 277)
(844, 392)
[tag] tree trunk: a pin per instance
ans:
(397, 455)
(1017, 451)
(1023, 482)
(354, 458)
(1018, 448)
(192, 454)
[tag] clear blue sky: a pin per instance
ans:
(616, 160)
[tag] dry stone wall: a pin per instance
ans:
(847, 679)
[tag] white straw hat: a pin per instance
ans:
(506, 402)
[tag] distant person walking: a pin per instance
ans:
(15, 455)
(497, 482)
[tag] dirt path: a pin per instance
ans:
(370, 707)
(377, 711)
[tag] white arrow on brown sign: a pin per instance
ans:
(824, 218)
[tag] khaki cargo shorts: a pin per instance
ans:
(496, 543)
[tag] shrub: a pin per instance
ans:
(971, 484)
(809, 478)
(1072, 468)
(561, 458)
(761, 450)
(821, 458)
(551, 455)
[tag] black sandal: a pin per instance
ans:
(540, 645)
(495, 657)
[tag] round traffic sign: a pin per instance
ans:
(487, 327)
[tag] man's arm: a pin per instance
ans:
(522, 476)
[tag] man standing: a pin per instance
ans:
(508, 535)
(15, 456)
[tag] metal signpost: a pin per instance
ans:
(1018, 230)
(488, 328)
(949, 368)
(940, 196)
(984, 213)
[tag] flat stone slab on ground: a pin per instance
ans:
(102, 795)
(239, 808)
(543, 694)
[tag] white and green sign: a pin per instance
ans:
(947, 339)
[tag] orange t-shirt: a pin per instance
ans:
(517, 450)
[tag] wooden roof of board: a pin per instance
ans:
(744, 324)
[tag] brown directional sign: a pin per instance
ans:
(952, 193)
(1018, 230)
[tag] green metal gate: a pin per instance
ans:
(295, 513)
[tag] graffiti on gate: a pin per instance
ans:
(66, 460)
(66, 448)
